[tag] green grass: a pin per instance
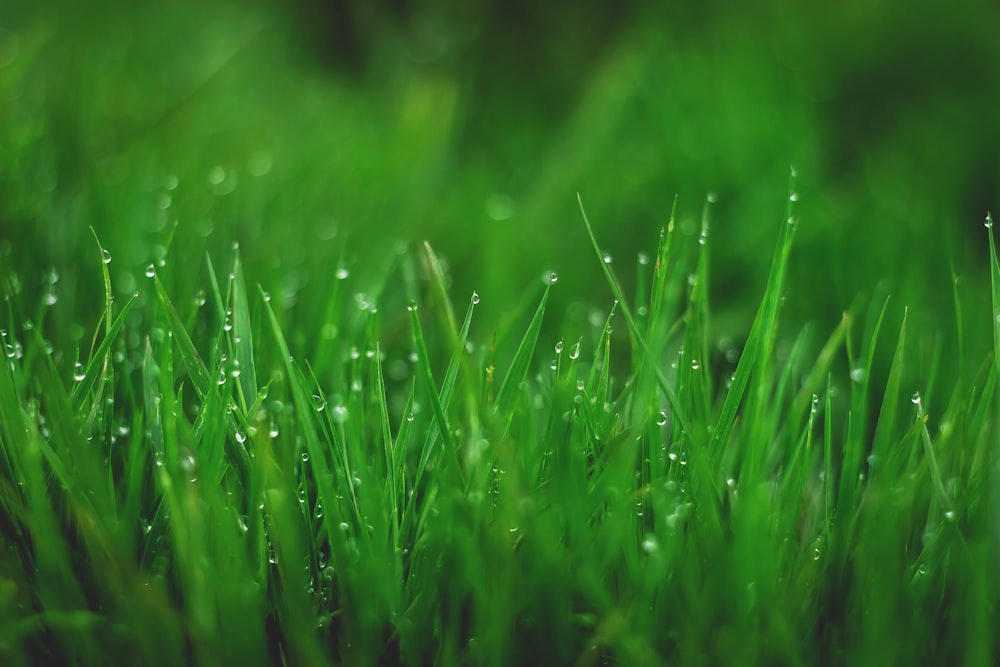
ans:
(247, 416)
(198, 483)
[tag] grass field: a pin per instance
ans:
(249, 416)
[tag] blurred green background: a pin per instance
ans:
(325, 134)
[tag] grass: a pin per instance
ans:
(198, 483)
(242, 422)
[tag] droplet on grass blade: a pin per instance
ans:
(339, 414)
(475, 298)
(106, 255)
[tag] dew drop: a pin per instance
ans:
(607, 258)
(661, 418)
(559, 347)
(858, 374)
(793, 197)
(988, 223)
(553, 277)
(150, 271)
(50, 298)
(189, 467)
(643, 259)
(240, 436)
(305, 457)
(342, 273)
(339, 414)
(574, 352)
(106, 255)
(318, 402)
(475, 298)
(411, 306)
(409, 417)
(915, 399)
(649, 544)
(78, 372)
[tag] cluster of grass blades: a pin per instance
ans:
(190, 489)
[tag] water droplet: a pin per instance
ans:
(106, 255)
(475, 298)
(703, 237)
(650, 544)
(50, 298)
(988, 223)
(949, 515)
(607, 258)
(858, 374)
(305, 457)
(793, 197)
(559, 347)
(409, 417)
(216, 175)
(643, 259)
(339, 414)
(915, 399)
(189, 467)
(342, 273)
(318, 402)
(273, 432)
(78, 372)
(815, 404)
(661, 418)
(574, 352)
(695, 365)
(411, 306)
(150, 271)
(240, 436)
(553, 277)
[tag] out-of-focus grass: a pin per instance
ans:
(475, 129)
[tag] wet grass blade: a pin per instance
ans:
(243, 337)
(98, 361)
(510, 389)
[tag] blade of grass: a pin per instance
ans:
(510, 389)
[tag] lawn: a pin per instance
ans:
(497, 336)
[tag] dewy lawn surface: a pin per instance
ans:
(203, 483)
